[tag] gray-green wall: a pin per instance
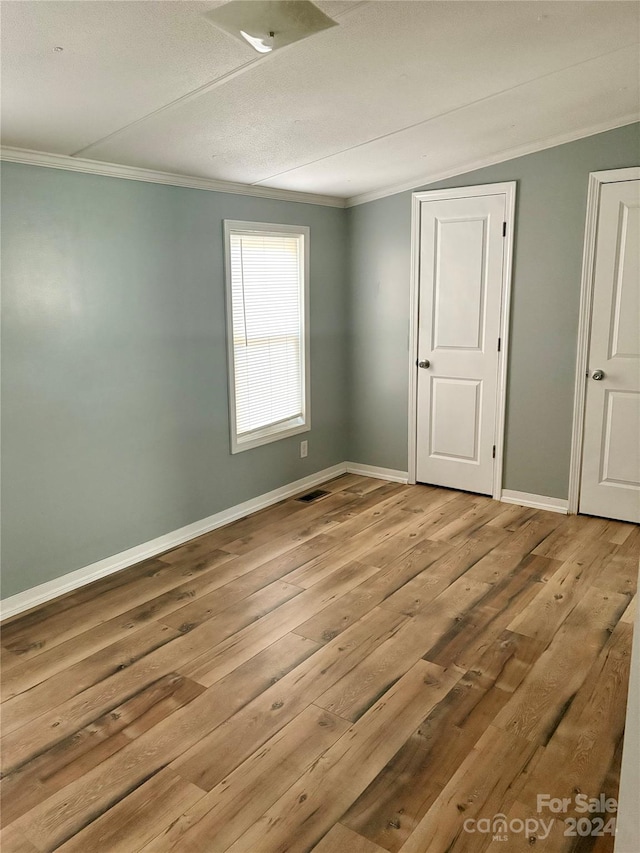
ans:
(114, 396)
(115, 414)
(550, 217)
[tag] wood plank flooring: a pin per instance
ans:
(375, 671)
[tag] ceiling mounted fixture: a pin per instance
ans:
(270, 24)
(262, 45)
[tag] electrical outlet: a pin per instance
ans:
(304, 449)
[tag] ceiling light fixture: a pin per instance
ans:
(58, 49)
(263, 44)
(269, 25)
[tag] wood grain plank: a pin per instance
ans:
(248, 609)
(18, 711)
(512, 517)
(347, 481)
(90, 746)
(64, 814)
(316, 518)
(294, 513)
(573, 538)
(519, 620)
(401, 794)
(340, 838)
(18, 746)
(339, 615)
(437, 577)
(300, 818)
(13, 841)
(59, 658)
(194, 549)
(207, 763)
(529, 536)
(353, 694)
(580, 753)
(21, 746)
(468, 637)
(481, 780)
(37, 615)
(629, 615)
(544, 614)
(619, 573)
(554, 680)
(549, 838)
(439, 511)
(135, 820)
(427, 515)
(470, 522)
(213, 665)
(380, 527)
(230, 808)
(58, 627)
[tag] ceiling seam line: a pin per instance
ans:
(523, 150)
(200, 90)
(441, 115)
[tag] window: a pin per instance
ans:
(267, 320)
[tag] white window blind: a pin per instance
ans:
(266, 269)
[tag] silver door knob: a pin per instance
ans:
(597, 375)
(425, 363)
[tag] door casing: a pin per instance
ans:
(508, 189)
(596, 180)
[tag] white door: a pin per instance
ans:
(461, 274)
(610, 482)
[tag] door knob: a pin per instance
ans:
(597, 375)
(425, 363)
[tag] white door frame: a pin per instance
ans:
(508, 189)
(596, 180)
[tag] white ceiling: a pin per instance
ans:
(398, 93)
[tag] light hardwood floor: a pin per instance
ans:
(374, 671)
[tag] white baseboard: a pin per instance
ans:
(535, 501)
(73, 580)
(379, 473)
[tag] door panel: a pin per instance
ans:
(625, 340)
(461, 272)
(459, 281)
(610, 482)
(455, 418)
(620, 453)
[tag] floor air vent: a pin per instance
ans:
(313, 496)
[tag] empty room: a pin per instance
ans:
(320, 426)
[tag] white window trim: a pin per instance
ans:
(293, 426)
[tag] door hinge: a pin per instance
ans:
(499, 342)
(504, 229)
(493, 455)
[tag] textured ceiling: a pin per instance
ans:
(398, 92)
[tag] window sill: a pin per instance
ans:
(269, 434)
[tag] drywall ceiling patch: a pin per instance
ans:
(269, 24)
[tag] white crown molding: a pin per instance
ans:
(81, 577)
(379, 473)
(535, 501)
(133, 173)
(510, 154)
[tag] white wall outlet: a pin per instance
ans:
(304, 449)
